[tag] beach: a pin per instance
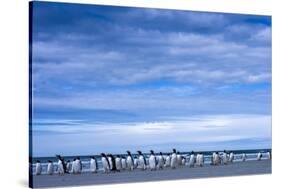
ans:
(184, 172)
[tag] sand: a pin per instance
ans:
(234, 169)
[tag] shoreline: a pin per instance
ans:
(184, 172)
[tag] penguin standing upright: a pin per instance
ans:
(50, 168)
(68, 166)
(112, 162)
(268, 155)
(142, 161)
(124, 163)
(38, 168)
(200, 159)
(160, 164)
(216, 158)
(259, 156)
(152, 161)
(231, 157)
(118, 163)
(130, 161)
(244, 157)
(93, 165)
(63, 165)
(224, 157)
(174, 159)
(168, 160)
(105, 163)
(179, 158)
(136, 162)
(76, 166)
(60, 167)
(192, 159)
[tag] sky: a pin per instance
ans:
(109, 79)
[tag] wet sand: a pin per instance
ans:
(184, 172)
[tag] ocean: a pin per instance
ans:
(251, 155)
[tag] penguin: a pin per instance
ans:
(136, 162)
(224, 157)
(231, 157)
(168, 160)
(142, 161)
(179, 159)
(80, 166)
(38, 168)
(111, 160)
(123, 163)
(118, 163)
(68, 166)
(60, 167)
(76, 166)
(259, 156)
(268, 155)
(62, 163)
(183, 161)
(130, 161)
(93, 165)
(213, 158)
(192, 159)
(216, 158)
(152, 161)
(244, 157)
(50, 168)
(200, 159)
(160, 164)
(174, 159)
(73, 165)
(105, 163)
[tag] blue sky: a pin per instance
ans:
(108, 79)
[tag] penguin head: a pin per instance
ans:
(128, 152)
(49, 161)
(174, 150)
(161, 153)
(192, 152)
(224, 151)
(37, 161)
(152, 152)
(103, 154)
(139, 152)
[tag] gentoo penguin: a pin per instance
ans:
(118, 163)
(136, 162)
(50, 168)
(152, 161)
(216, 158)
(60, 167)
(93, 165)
(192, 159)
(200, 159)
(76, 166)
(160, 158)
(168, 160)
(231, 157)
(244, 157)
(259, 156)
(179, 158)
(38, 168)
(130, 161)
(63, 163)
(124, 163)
(224, 157)
(174, 159)
(183, 161)
(142, 161)
(268, 155)
(68, 166)
(111, 160)
(105, 163)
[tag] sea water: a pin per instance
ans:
(251, 155)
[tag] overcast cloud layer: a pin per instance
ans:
(96, 68)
